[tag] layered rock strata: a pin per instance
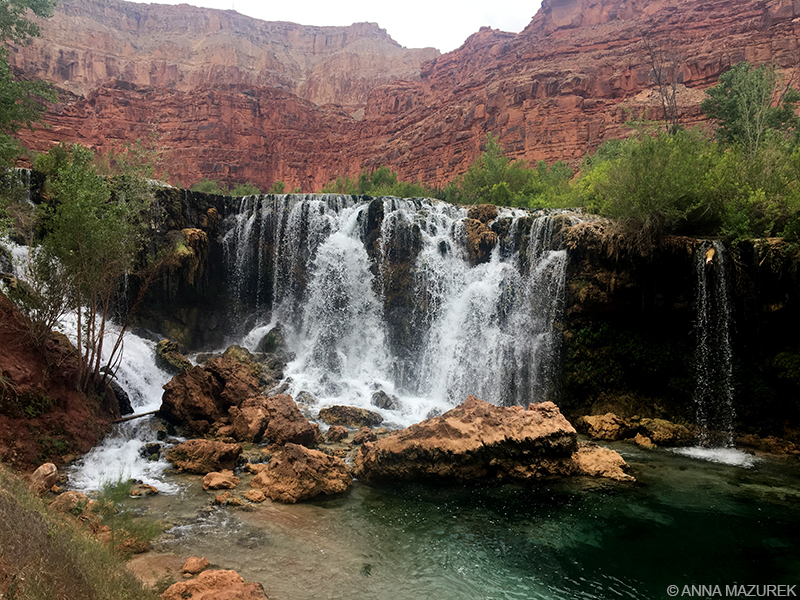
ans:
(573, 78)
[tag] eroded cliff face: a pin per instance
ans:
(89, 42)
(572, 79)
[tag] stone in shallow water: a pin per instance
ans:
(221, 480)
(204, 456)
(350, 416)
(477, 440)
(217, 585)
(299, 473)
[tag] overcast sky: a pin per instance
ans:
(443, 24)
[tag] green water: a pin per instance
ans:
(685, 522)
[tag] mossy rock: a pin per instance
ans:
(169, 357)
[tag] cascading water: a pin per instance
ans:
(714, 389)
(120, 456)
(381, 296)
(713, 394)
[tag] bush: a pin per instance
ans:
(653, 184)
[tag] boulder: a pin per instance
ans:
(664, 433)
(350, 416)
(215, 585)
(43, 478)
(140, 490)
(205, 394)
(72, 502)
(195, 565)
(170, 359)
(204, 456)
(249, 421)
(274, 342)
(475, 440)
(228, 499)
(220, 480)
(267, 368)
(123, 400)
(363, 435)
(255, 496)
(288, 425)
(383, 400)
(596, 461)
(336, 433)
(643, 441)
(299, 473)
(305, 398)
(604, 427)
(276, 419)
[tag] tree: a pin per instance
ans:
(665, 68)
(94, 235)
(747, 105)
(210, 186)
(21, 101)
(245, 189)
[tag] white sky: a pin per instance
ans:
(443, 24)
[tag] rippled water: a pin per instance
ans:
(685, 522)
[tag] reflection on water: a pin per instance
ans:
(685, 522)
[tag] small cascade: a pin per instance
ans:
(714, 358)
(121, 455)
(380, 295)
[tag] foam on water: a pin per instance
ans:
(724, 456)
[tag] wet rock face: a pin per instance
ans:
(204, 456)
(480, 241)
(170, 358)
(299, 473)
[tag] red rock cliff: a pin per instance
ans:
(570, 80)
(89, 42)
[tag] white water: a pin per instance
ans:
(714, 356)
(119, 455)
(724, 456)
(486, 330)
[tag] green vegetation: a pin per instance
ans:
(48, 556)
(210, 186)
(21, 101)
(92, 228)
(245, 189)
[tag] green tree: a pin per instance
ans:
(210, 186)
(653, 184)
(746, 109)
(94, 236)
(245, 189)
(278, 187)
(21, 101)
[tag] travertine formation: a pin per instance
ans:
(236, 99)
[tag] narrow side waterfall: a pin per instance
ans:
(385, 296)
(714, 387)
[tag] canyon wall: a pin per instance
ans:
(572, 79)
(90, 42)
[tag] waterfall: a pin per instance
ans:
(714, 358)
(379, 295)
